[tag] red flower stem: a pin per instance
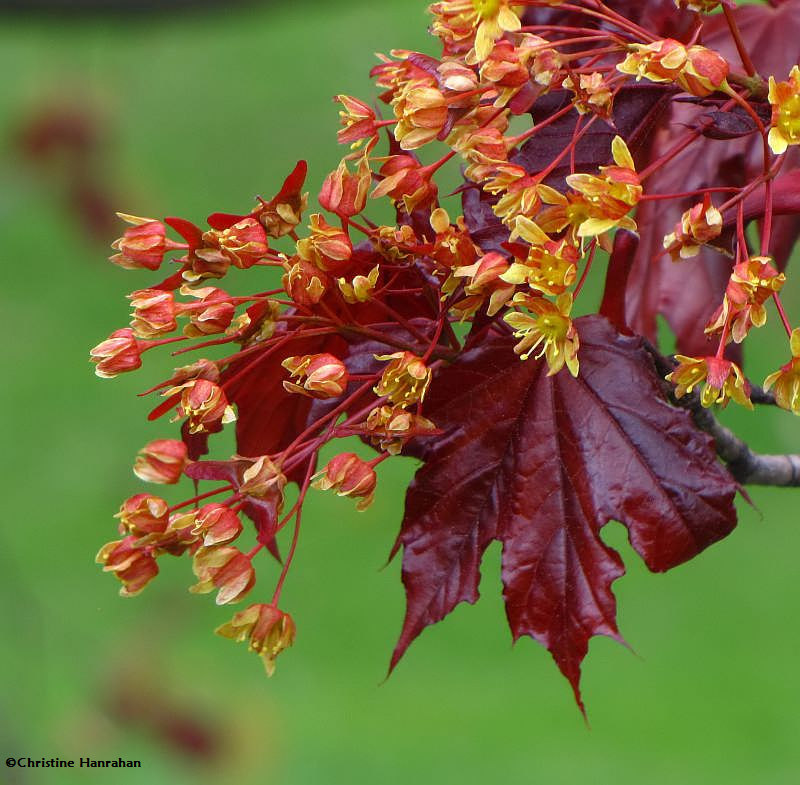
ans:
(586, 269)
(333, 414)
(766, 229)
(740, 236)
(516, 140)
(737, 38)
(723, 339)
(689, 194)
(679, 146)
(378, 459)
(436, 336)
(295, 537)
(200, 498)
(785, 319)
(363, 229)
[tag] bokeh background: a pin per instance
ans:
(192, 112)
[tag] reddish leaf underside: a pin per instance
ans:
(541, 463)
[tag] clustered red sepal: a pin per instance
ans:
(523, 424)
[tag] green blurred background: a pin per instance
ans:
(197, 113)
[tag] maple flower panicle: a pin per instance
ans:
(119, 353)
(404, 380)
(223, 567)
(547, 326)
(345, 193)
(722, 380)
(751, 283)
(135, 567)
(268, 631)
(699, 225)
(784, 97)
(143, 246)
(203, 404)
(611, 197)
(323, 375)
(143, 514)
(696, 69)
(349, 475)
(162, 461)
(216, 524)
(785, 382)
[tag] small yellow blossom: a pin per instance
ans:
(785, 100)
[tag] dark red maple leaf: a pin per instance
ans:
(542, 468)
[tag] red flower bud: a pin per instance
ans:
(325, 375)
(143, 246)
(225, 568)
(204, 405)
(143, 514)
(268, 630)
(305, 283)
(344, 193)
(162, 461)
(243, 244)
(348, 475)
(216, 524)
(134, 566)
(154, 312)
(120, 353)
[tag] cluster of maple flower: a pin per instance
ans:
(367, 314)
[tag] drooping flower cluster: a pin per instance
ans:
(346, 335)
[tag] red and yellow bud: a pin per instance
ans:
(143, 514)
(344, 193)
(263, 479)
(591, 94)
(550, 266)
(360, 288)
(203, 404)
(243, 244)
(305, 283)
(485, 280)
(389, 427)
(404, 380)
(119, 353)
(784, 98)
(223, 567)
(358, 121)
(547, 325)
(216, 524)
(326, 247)
(143, 246)
(322, 375)
(722, 380)
(134, 566)
(268, 631)
(211, 315)
(699, 225)
(786, 380)
(696, 69)
(751, 283)
(348, 475)
(162, 461)
(154, 313)
(407, 182)
(421, 115)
